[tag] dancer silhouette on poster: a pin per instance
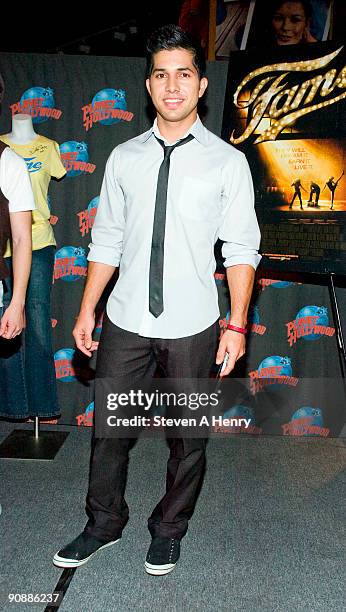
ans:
(332, 185)
(314, 189)
(297, 192)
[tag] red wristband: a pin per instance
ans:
(240, 330)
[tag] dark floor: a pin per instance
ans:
(268, 533)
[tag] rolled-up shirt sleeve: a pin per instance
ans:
(239, 230)
(107, 234)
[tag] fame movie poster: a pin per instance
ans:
(286, 110)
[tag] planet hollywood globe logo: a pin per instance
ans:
(107, 107)
(70, 264)
(311, 323)
(274, 366)
(39, 103)
(64, 370)
(75, 157)
(320, 316)
(306, 421)
(112, 98)
(274, 370)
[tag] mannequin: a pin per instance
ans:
(16, 204)
(31, 368)
(22, 130)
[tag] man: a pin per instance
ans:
(16, 204)
(164, 307)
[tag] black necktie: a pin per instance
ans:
(158, 239)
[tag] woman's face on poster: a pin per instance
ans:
(289, 23)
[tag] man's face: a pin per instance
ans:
(175, 86)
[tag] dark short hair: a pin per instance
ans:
(305, 4)
(169, 37)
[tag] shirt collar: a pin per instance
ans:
(197, 130)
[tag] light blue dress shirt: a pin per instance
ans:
(210, 196)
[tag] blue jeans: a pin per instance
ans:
(27, 371)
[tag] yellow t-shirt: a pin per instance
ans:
(42, 157)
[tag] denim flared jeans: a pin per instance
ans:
(27, 372)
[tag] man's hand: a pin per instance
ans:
(13, 321)
(232, 343)
(82, 333)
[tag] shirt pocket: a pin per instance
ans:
(199, 200)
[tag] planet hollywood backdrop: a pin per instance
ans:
(89, 105)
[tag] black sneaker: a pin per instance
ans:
(162, 556)
(79, 551)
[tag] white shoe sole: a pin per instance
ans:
(64, 562)
(159, 570)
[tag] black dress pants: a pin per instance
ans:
(125, 356)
